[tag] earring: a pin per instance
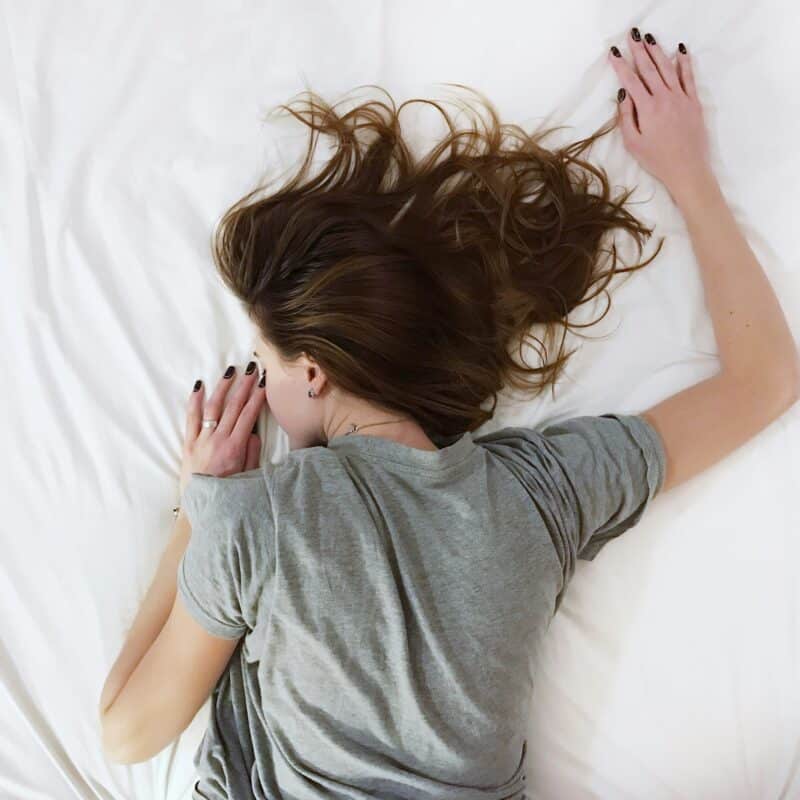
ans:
(311, 393)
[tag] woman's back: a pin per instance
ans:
(392, 599)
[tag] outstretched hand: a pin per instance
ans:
(231, 446)
(661, 117)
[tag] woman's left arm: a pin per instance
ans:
(227, 448)
(152, 616)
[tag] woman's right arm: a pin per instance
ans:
(760, 375)
(753, 337)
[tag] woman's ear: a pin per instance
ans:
(313, 373)
(316, 376)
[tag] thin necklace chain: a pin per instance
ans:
(354, 427)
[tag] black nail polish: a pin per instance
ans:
(197, 385)
(637, 37)
(682, 47)
(229, 372)
(615, 51)
(251, 365)
(620, 95)
(263, 382)
(649, 38)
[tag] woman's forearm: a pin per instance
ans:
(152, 616)
(753, 337)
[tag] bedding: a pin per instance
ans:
(670, 670)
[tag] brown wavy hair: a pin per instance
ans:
(411, 281)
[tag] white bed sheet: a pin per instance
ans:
(671, 670)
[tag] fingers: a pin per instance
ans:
(686, 73)
(628, 127)
(194, 414)
(249, 413)
(232, 400)
(644, 64)
(664, 65)
(214, 407)
(235, 404)
(655, 74)
(630, 80)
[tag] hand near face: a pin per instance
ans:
(231, 446)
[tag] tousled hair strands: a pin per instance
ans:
(414, 282)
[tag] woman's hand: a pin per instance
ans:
(661, 117)
(231, 447)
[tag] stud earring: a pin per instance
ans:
(311, 393)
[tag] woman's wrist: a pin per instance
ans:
(693, 190)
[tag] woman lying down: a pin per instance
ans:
(363, 613)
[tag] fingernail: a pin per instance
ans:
(649, 38)
(620, 95)
(229, 372)
(251, 365)
(682, 47)
(263, 382)
(197, 385)
(637, 37)
(615, 51)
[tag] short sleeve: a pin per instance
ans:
(590, 477)
(230, 555)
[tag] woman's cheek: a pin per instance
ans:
(282, 405)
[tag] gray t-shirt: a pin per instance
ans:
(390, 601)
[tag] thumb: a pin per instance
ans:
(253, 452)
(630, 133)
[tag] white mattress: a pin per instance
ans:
(671, 670)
